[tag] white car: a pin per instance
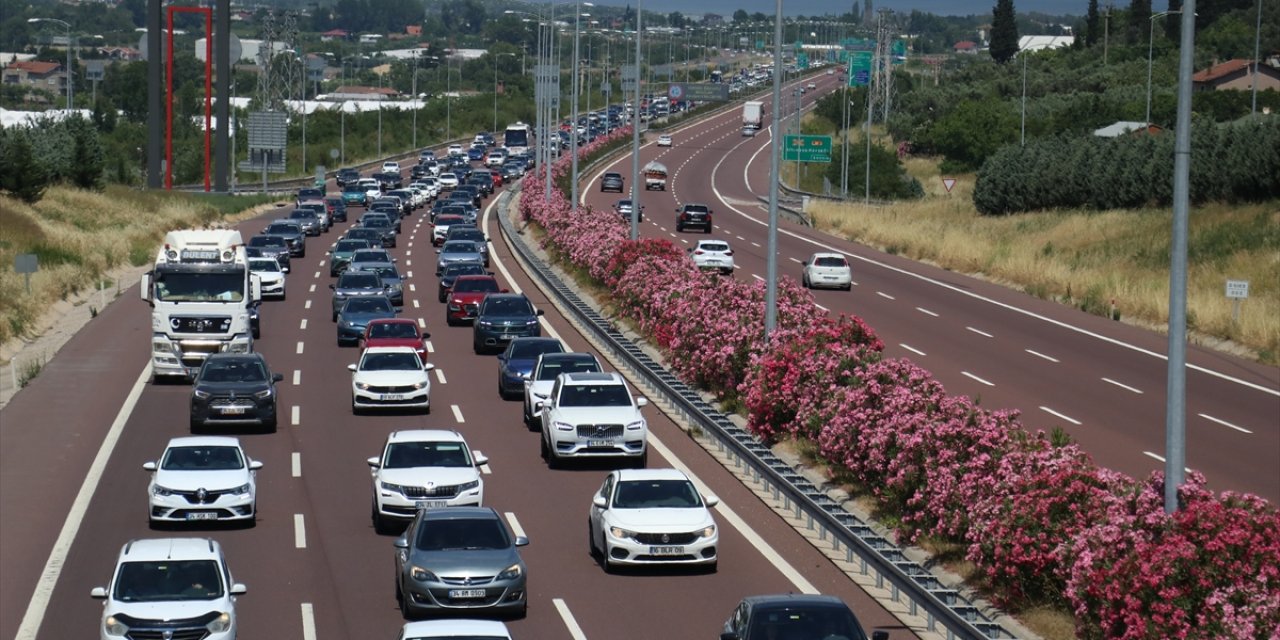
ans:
(453, 629)
(537, 387)
(589, 415)
(169, 588)
(391, 166)
(423, 469)
(390, 378)
(272, 276)
(811, 86)
(495, 158)
(827, 270)
(428, 186)
(448, 181)
(206, 478)
(651, 516)
(457, 150)
(372, 189)
(713, 254)
(664, 140)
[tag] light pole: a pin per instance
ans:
(381, 96)
(495, 87)
(1023, 139)
(1257, 42)
(413, 88)
(635, 131)
(70, 75)
(1151, 23)
(573, 129)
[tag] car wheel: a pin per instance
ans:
(643, 460)
(605, 563)
(475, 346)
(848, 287)
(381, 527)
(406, 609)
(804, 281)
(269, 425)
(679, 229)
(543, 449)
(426, 411)
(283, 296)
(449, 320)
(591, 542)
(334, 317)
(196, 426)
(355, 411)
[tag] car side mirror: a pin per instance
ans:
(149, 466)
(374, 462)
(401, 543)
(351, 367)
(537, 407)
(642, 402)
(539, 312)
(522, 541)
(238, 589)
(677, 210)
(600, 501)
(98, 592)
(479, 458)
(428, 367)
(254, 465)
(333, 286)
(879, 634)
(426, 336)
(711, 501)
(277, 377)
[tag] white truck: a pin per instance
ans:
(203, 300)
(752, 113)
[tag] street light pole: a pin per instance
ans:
(775, 169)
(635, 131)
(1151, 24)
(70, 74)
(576, 85)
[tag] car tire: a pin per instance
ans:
(406, 609)
(269, 425)
(450, 321)
(591, 543)
(426, 411)
(257, 333)
(283, 296)
(804, 281)
(334, 317)
(355, 411)
(196, 426)
(381, 527)
(848, 287)
(643, 461)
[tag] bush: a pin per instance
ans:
(21, 173)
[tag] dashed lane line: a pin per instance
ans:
(926, 312)
(911, 349)
(299, 347)
(570, 623)
(312, 289)
(302, 325)
(308, 622)
(1225, 423)
(973, 377)
(295, 415)
(514, 523)
(1060, 415)
(1041, 355)
(299, 531)
(1122, 385)
(980, 332)
(1161, 459)
(422, 323)
(297, 377)
(440, 376)
(885, 295)
(295, 464)
(457, 413)
(307, 305)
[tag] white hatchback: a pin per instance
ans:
(391, 166)
(423, 469)
(448, 181)
(271, 274)
(664, 140)
(713, 254)
(827, 270)
(390, 378)
(457, 150)
(206, 478)
(651, 516)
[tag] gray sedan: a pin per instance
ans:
(460, 558)
(459, 251)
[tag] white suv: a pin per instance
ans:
(170, 588)
(424, 469)
(391, 166)
(592, 415)
(713, 254)
(204, 478)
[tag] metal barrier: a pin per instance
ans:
(874, 554)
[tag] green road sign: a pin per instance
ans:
(806, 148)
(859, 68)
(759, 44)
(802, 61)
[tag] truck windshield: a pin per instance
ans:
(200, 287)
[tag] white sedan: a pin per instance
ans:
(433, 629)
(651, 516)
(457, 150)
(391, 166)
(208, 478)
(448, 181)
(713, 254)
(390, 378)
(272, 276)
(423, 469)
(827, 270)
(664, 140)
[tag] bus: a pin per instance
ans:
(516, 139)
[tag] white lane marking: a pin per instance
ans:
(1041, 355)
(321, 262)
(312, 289)
(755, 244)
(822, 307)
(409, 274)
(1161, 459)
(306, 305)
(297, 377)
(1064, 417)
(431, 348)
(408, 253)
(417, 305)
(1122, 385)
(457, 413)
(40, 597)
(796, 260)
(1224, 423)
(484, 468)
(730, 516)
(303, 324)
(299, 532)
(295, 464)
(440, 376)
(413, 287)
(885, 295)
(757, 277)
(299, 347)
(515, 288)
(295, 415)
(741, 238)
(408, 263)
(570, 623)
(514, 523)
(980, 332)
(926, 311)
(911, 348)
(970, 375)
(317, 276)
(308, 622)
(422, 323)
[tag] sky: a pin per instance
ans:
(823, 7)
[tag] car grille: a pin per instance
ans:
(193, 497)
(168, 634)
(599, 430)
(227, 402)
(444, 491)
(666, 538)
(394, 389)
(491, 598)
(182, 629)
(200, 324)
(472, 581)
(471, 309)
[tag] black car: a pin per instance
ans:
(347, 176)
(307, 218)
(389, 180)
(382, 223)
(503, 317)
(373, 236)
(337, 208)
(272, 246)
(357, 313)
(794, 616)
(452, 271)
(611, 182)
(234, 389)
(293, 235)
(356, 284)
(309, 193)
(693, 215)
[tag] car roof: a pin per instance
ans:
(793, 601)
(454, 628)
(377, 350)
(152, 549)
(631, 475)
(592, 378)
(459, 513)
(393, 321)
(204, 441)
(502, 296)
(425, 435)
(568, 355)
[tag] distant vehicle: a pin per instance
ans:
(515, 363)
(655, 176)
(456, 150)
(391, 166)
(811, 86)
(470, 541)
(435, 459)
(693, 215)
(748, 132)
(516, 139)
(653, 516)
(664, 140)
(828, 270)
(713, 254)
(752, 114)
(214, 466)
(389, 378)
(794, 616)
(611, 182)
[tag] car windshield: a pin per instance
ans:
(359, 188)
(367, 305)
(463, 233)
(371, 255)
(459, 246)
(656, 494)
(358, 281)
(266, 241)
(202, 458)
(386, 271)
(830, 262)
(551, 369)
(200, 287)
(805, 623)
(168, 580)
(405, 455)
(508, 307)
(485, 285)
(594, 395)
(392, 330)
(376, 221)
(530, 349)
(463, 269)
(393, 361)
(461, 534)
(695, 208)
(302, 214)
(217, 370)
(281, 228)
(268, 265)
(350, 245)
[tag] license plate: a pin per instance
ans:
(393, 396)
(666, 551)
(232, 411)
(466, 593)
(599, 443)
(430, 504)
(202, 515)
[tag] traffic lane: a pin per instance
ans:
(50, 431)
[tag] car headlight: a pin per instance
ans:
(708, 532)
(510, 573)
(160, 346)
(363, 386)
(114, 627)
(239, 346)
(619, 532)
(240, 490)
(484, 323)
(531, 321)
(422, 575)
(467, 486)
(387, 486)
(562, 426)
(203, 395)
(419, 385)
(639, 424)
(158, 490)
(264, 394)
(220, 624)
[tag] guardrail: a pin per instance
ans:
(877, 556)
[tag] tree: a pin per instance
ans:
(20, 173)
(1139, 16)
(1091, 24)
(87, 156)
(1173, 22)
(741, 15)
(1004, 32)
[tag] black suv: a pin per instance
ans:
(292, 233)
(347, 176)
(503, 317)
(794, 616)
(234, 389)
(693, 215)
(611, 182)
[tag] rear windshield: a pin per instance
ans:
(713, 246)
(830, 262)
(477, 285)
(695, 208)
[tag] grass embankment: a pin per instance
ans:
(1087, 258)
(78, 236)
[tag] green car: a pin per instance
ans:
(340, 254)
(353, 193)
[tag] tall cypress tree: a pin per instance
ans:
(1173, 22)
(1004, 32)
(1092, 32)
(1139, 18)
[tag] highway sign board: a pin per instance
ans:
(1238, 289)
(859, 68)
(700, 91)
(806, 148)
(949, 184)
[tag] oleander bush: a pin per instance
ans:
(1042, 522)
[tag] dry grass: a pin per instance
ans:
(80, 235)
(1086, 259)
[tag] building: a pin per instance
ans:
(1125, 127)
(1236, 75)
(49, 76)
(965, 47)
(357, 92)
(333, 34)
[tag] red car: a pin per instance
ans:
(497, 178)
(395, 332)
(465, 296)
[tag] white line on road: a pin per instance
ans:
(295, 415)
(980, 332)
(1041, 355)
(409, 274)
(970, 375)
(39, 603)
(321, 262)
(1064, 417)
(514, 523)
(317, 276)
(911, 349)
(308, 622)
(295, 464)
(796, 260)
(885, 295)
(413, 287)
(431, 348)
(457, 413)
(408, 253)
(422, 323)
(755, 244)
(926, 311)
(417, 305)
(822, 307)
(440, 376)
(570, 623)
(299, 532)
(303, 324)
(306, 305)
(1161, 459)
(408, 263)
(1224, 423)
(757, 277)
(1122, 385)
(312, 289)
(297, 377)
(299, 347)
(741, 238)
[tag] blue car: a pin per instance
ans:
(475, 154)
(357, 313)
(516, 363)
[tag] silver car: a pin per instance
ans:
(459, 251)
(454, 558)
